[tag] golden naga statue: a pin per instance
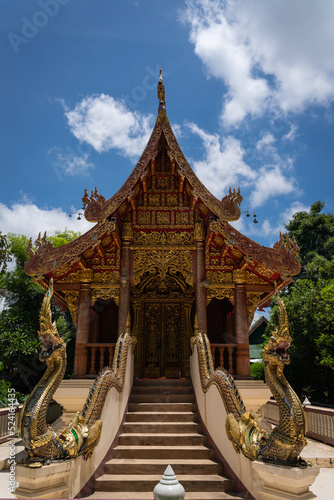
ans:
(285, 443)
(41, 442)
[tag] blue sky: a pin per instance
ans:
(249, 91)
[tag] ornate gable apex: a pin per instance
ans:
(97, 209)
(99, 248)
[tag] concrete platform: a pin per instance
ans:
(317, 452)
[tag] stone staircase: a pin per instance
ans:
(161, 428)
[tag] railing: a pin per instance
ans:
(5, 428)
(319, 421)
(225, 356)
(99, 355)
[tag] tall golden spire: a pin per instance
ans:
(161, 96)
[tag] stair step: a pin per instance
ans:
(148, 495)
(156, 416)
(158, 389)
(160, 439)
(162, 382)
(158, 466)
(162, 407)
(163, 452)
(161, 427)
(162, 398)
(117, 482)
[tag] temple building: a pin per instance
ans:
(163, 253)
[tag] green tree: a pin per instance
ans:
(314, 233)
(310, 306)
(59, 238)
(4, 253)
(19, 320)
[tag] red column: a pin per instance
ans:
(200, 290)
(83, 325)
(241, 324)
(124, 291)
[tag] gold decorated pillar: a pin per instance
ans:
(200, 290)
(241, 323)
(124, 291)
(83, 325)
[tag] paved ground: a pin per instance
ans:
(323, 486)
(320, 453)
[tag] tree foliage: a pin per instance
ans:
(310, 306)
(19, 320)
(59, 238)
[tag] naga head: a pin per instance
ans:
(48, 333)
(275, 352)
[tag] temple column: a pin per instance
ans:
(124, 291)
(83, 325)
(200, 290)
(241, 324)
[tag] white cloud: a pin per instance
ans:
(272, 230)
(223, 165)
(266, 142)
(290, 136)
(271, 182)
(28, 219)
(295, 207)
(105, 123)
(69, 163)
(273, 55)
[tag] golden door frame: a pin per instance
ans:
(162, 325)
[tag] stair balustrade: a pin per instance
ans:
(224, 356)
(99, 355)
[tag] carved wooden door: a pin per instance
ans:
(162, 344)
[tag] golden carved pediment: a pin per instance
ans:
(162, 261)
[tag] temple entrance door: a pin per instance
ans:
(162, 346)
(163, 330)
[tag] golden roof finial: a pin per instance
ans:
(161, 96)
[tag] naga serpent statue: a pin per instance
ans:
(41, 442)
(284, 444)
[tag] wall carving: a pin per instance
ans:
(162, 238)
(218, 278)
(254, 279)
(144, 217)
(163, 217)
(105, 294)
(172, 200)
(154, 200)
(71, 278)
(62, 270)
(72, 301)
(181, 218)
(220, 293)
(264, 271)
(162, 261)
(253, 300)
(109, 277)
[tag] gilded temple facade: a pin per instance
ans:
(162, 253)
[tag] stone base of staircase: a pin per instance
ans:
(161, 428)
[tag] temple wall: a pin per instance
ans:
(68, 478)
(256, 479)
(213, 415)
